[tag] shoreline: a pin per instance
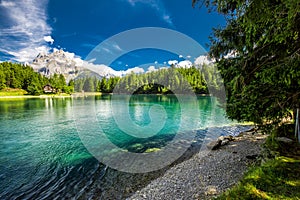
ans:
(32, 97)
(81, 95)
(52, 96)
(207, 173)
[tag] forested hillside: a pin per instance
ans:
(163, 81)
(14, 75)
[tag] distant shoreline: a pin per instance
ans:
(51, 96)
(73, 95)
(33, 97)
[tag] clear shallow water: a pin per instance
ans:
(43, 157)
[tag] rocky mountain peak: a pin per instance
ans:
(58, 62)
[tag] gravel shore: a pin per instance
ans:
(207, 173)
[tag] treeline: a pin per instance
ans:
(93, 84)
(163, 81)
(14, 75)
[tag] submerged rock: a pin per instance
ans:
(152, 150)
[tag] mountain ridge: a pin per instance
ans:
(72, 67)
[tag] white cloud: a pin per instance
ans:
(158, 6)
(7, 4)
(49, 39)
(185, 64)
(101, 69)
(107, 71)
(23, 38)
(163, 68)
(136, 70)
(203, 60)
(167, 18)
(92, 60)
(172, 62)
(151, 69)
(26, 54)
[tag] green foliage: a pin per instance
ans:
(92, 84)
(35, 87)
(19, 76)
(70, 88)
(262, 75)
(276, 179)
(12, 92)
(163, 81)
(276, 147)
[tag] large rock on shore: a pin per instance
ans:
(221, 141)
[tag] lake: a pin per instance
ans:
(62, 148)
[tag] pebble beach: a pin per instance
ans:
(207, 173)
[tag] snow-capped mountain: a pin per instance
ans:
(58, 62)
(61, 62)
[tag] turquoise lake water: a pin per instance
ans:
(43, 154)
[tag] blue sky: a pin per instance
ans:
(78, 26)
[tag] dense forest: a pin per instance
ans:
(14, 75)
(163, 81)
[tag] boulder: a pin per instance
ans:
(221, 141)
(213, 145)
(224, 142)
(229, 137)
(284, 139)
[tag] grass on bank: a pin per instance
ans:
(277, 178)
(12, 92)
